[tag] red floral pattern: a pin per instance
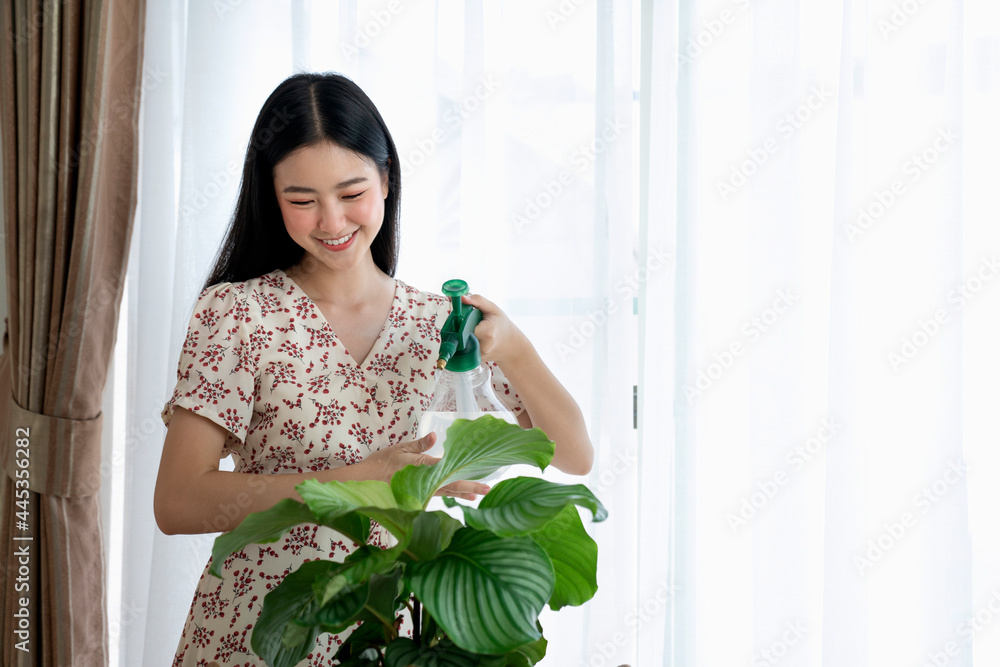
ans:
(260, 360)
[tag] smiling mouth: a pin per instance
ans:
(333, 243)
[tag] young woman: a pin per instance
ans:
(305, 358)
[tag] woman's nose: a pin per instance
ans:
(333, 219)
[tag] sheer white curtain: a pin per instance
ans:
(756, 239)
(517, 128)
(834, 498)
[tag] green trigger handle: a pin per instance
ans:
(459, 347)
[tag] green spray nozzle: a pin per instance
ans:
(459, 347)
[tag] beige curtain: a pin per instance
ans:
(70, 72)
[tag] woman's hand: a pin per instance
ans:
(382, 464)
(499, 339)
(546, 402)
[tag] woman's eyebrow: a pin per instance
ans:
(352, 181)
(343, 184)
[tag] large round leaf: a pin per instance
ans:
(331, 498)
(529, 654)
(547, 512)
(485, 591)
(337, 504)
(260, 527)
(405, 652)
(341, 612)
(524, 505)
(289, 600)
(574, 558)
(473, 450)
(357, 568)
(358, 648)
(432, 532)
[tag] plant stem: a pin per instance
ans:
(416, 620)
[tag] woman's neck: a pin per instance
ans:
(346, 289)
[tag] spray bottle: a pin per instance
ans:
(463, 387)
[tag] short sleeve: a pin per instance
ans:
(505, 391)
(217, 370)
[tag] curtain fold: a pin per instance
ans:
(71, 82)
(662, 607)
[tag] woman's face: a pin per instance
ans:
(332, 201)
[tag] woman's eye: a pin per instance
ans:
(300, 203)
(355, 196)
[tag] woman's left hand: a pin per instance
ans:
(499, 339)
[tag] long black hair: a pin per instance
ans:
(303, 110)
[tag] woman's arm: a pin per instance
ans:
(549, 406)
(193, 496)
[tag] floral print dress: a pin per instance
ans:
(261, 360)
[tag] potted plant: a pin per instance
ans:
(474, 590)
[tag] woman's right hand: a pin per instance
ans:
(383, 463)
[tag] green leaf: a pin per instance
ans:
(473, 450)
(432, 532)
(375, 597)
(363, 659)
(383, 595)
(334, 498)
(260, 527)
(396, 521)
(574, 558)
(405, 652)
(354, 525)
(546, 511)
(342, 611)
(297, 635)
(357, 568)
(363, 637)
(529, 654)
(281, 607)
(525, 504)
(485, 591)
(337, 503)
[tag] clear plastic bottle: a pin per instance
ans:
(462, 395)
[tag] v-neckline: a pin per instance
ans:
(326, 323)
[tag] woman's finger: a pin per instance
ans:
(480, 302)
(419, 445)
(426, 442)
(466, 490)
